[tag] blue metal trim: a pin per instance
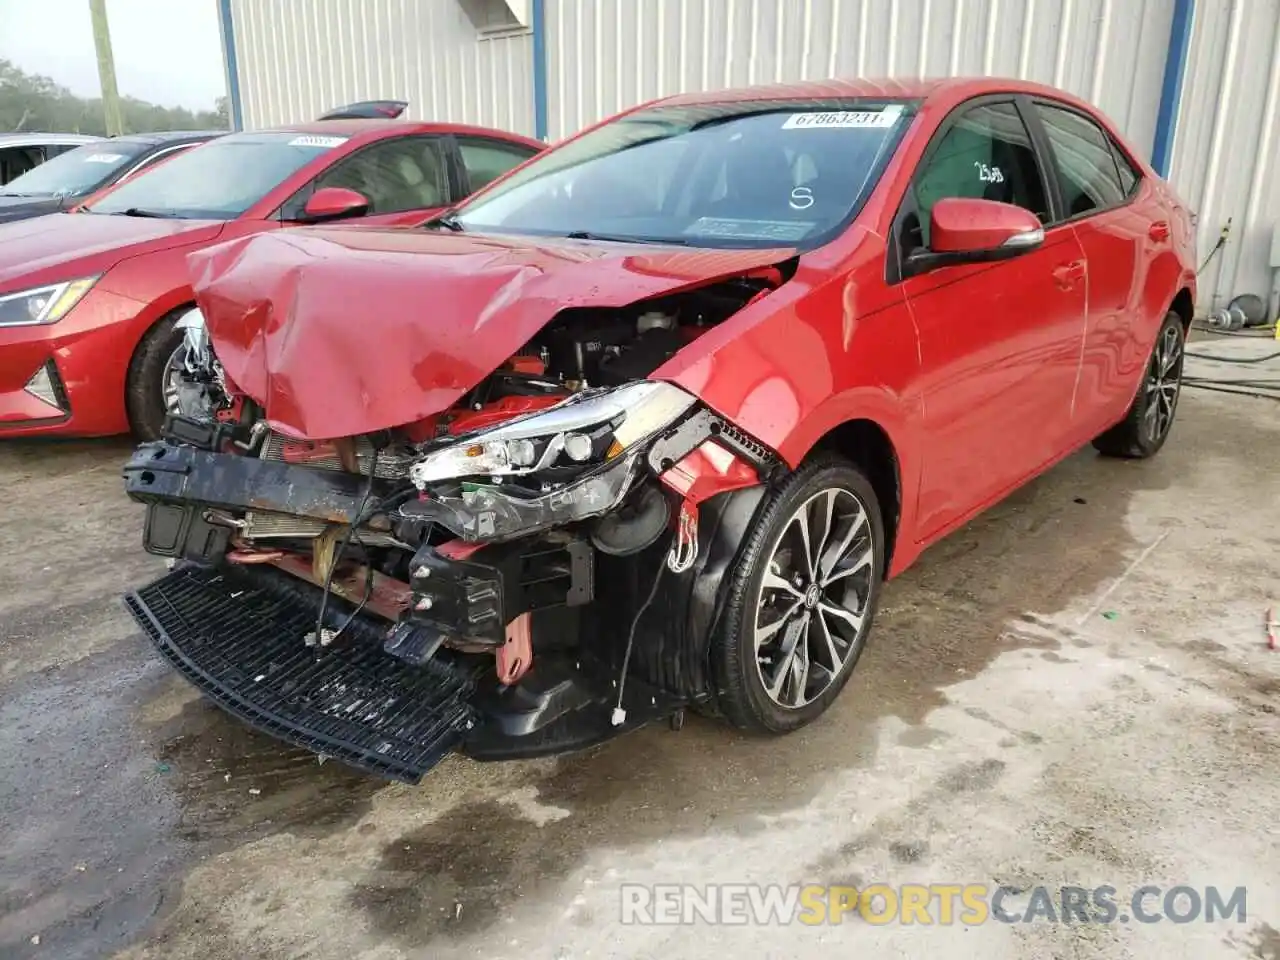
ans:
(233, 67)
(1175, 68)
(539, 70)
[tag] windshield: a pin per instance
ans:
(218, 180)
(747, 174)
(76, 172)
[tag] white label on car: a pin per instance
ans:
(785, 230)
(104, 158)
(315, 140)
(844, 118)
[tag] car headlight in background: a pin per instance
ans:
(585, 430)
(47, 304)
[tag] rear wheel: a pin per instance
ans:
(1146, 426)
(151, 387)
(801, 599)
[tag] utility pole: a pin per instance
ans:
(106, 68)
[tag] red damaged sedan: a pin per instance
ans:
(90, 301)
(645, 424)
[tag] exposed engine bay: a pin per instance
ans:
(507, 547)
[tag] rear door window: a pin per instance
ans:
(1088, 175)
(485, 160)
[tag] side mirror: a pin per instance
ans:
(334, 203)
(964, 230)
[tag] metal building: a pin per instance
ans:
(1194, 83)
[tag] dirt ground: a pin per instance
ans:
(1075, 689)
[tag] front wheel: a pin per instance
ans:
(152, 384)
(801, 599)
(1146, 426)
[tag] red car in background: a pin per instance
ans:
(89, 301)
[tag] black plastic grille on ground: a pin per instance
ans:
(242, 644)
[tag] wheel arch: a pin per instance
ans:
(1184, 306)
(170, 307)
(867, 444)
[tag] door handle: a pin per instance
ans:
(1069, 274)
(1159, 231)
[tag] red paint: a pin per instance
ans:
(499, 412)
(458, 549)
(330, 203)
(515, 657)
(369, 359)
(707, 471)
(144, 278)
(960, 224)
(980, 375)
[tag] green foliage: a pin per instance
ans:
(32, 103)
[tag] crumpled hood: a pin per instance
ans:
(340, 332)
(63, 246)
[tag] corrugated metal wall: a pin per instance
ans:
(1226, 159)
(604, 55)
(299, 58)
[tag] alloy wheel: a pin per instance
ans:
(812, 611)
(172, 377)
(1163, 383)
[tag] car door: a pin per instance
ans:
(999, 342)
(485, 159)
(1096, 186)
(404, 178)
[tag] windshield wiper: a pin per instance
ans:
(446, 220)
(139, 212)
(610, 238)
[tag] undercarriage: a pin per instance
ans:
(535, 569)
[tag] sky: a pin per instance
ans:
(166, 51)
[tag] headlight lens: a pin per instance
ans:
(42, 304)
(585, 429)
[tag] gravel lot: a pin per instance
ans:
(1075, 689)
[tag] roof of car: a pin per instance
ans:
(345, 128)
(35, 139)
(355, 128)
(889, 89)
(172, 136)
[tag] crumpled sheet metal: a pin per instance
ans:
(345, 331)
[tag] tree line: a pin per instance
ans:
(30, 103)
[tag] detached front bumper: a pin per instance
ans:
(239, 637)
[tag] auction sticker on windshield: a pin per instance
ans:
(104, 158)
(844, 118)
(749, 229)
(314, 140)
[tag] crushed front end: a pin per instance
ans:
(533, 569)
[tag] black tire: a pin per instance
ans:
(1146, 426)
(144, 385)
(742, 694)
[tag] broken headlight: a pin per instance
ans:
(588, 429)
